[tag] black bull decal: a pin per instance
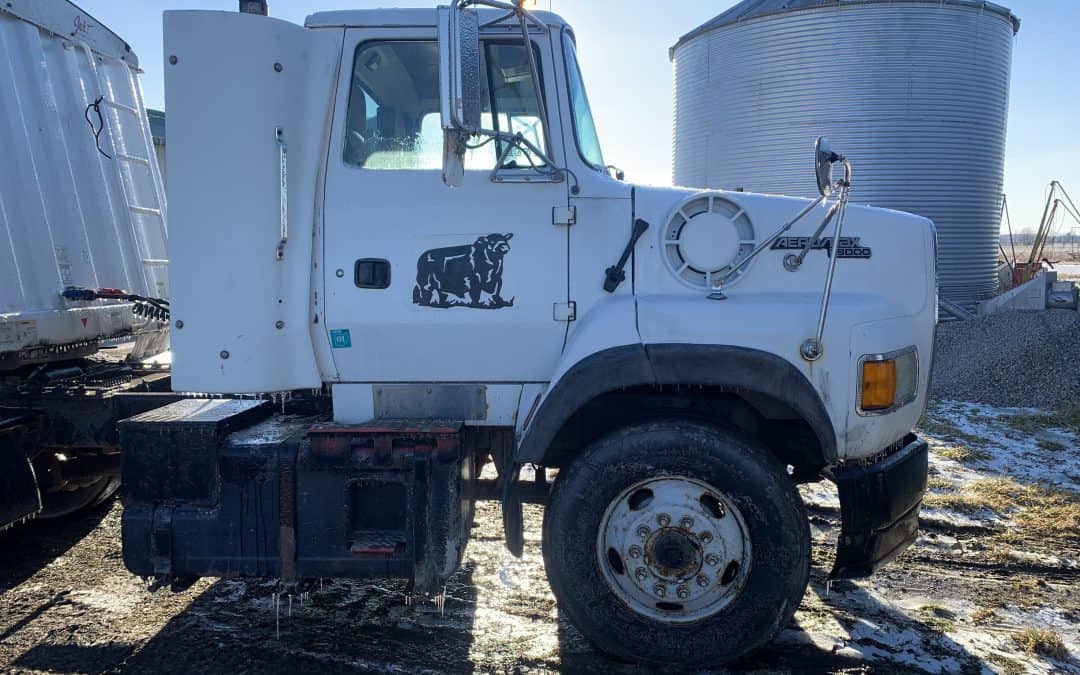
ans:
(463, 276)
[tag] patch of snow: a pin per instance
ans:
(1011, 452)
(117, 596)
(821, 495)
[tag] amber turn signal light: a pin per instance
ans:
(878, 384)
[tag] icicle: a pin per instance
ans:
(290, 604)
(828, 587)
(277, 613)
(440, 602)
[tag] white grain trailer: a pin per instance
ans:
(82, 253)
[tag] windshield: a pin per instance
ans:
(584, 127)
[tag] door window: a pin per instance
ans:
(584, 126)
(513, 98)
(393, 119)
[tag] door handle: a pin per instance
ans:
(372, 273)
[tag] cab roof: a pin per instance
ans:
(403, 17)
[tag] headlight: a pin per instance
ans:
(887, 381)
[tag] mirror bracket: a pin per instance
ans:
(460, 88)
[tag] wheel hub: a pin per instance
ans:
(674, 554)
(673, 549)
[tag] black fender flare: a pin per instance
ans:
(736, 369)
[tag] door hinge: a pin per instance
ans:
(563, 215)
(566, 311)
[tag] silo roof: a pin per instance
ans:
(756, 9)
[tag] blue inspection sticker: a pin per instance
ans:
(340, 339)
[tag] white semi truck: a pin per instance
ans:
(400, 224)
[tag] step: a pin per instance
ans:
(380, 543)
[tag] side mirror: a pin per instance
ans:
(459, 85)
(824, 158)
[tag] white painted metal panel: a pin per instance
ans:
(774, 310)
(915, 93)
(65, 216)
(403, 215)
(235, 79)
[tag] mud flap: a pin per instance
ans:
(19, 496)
(513, 514)
(879, 509)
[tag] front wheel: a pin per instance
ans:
(677, 543)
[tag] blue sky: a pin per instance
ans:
(623, 48)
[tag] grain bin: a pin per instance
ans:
(915, 92)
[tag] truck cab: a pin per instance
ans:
(398, 231)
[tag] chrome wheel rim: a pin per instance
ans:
(673, 549)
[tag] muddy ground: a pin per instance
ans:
(992, 585)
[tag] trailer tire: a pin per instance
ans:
(66, 502)
(677, 543)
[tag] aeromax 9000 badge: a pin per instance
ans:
(850, 247)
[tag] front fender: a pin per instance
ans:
(611, 324)
(737, 369)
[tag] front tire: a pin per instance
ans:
(675, 542)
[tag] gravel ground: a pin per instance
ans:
(1023, 359)
(964, 599)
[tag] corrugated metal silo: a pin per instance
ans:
(915, 92)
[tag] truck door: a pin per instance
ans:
(429, 283)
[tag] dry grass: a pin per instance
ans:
(1058, 251)
(1020, 591)
(946, 430)
(983, 616)
(1069, 418)
(1041, 641)
(1052, 513)
(1052, 446)
(1008, 666)
(939, 483)
(960, 453)
(937, 618)
(1037, 511)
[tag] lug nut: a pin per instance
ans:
(663, 519)
(683, 592)
(705, 537)
(641, 573)
(660, 590)
(711, 560)
(686, 523)
(643, 532)
(635, 552)
(702, 580)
